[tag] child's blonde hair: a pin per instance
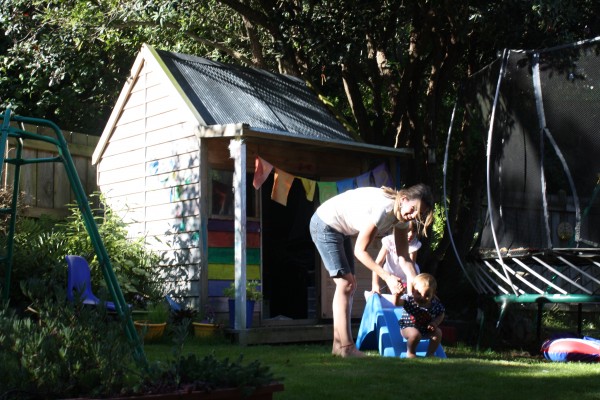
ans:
(427, 280)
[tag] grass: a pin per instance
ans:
(310, 372)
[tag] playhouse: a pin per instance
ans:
(180, 157)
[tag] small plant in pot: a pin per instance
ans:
(206, 325)
(154, 322)
(178, 317)
(253, 294)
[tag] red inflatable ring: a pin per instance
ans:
(572, 349)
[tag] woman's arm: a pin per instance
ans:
(364, 238)
(375, 288)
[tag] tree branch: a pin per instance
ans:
(355, 99)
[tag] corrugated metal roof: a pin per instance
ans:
(229, 94)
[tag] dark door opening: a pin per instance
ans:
(289, 277)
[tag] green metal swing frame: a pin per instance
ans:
(9, 131)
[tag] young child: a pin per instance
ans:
(422, 316)
(388, 258)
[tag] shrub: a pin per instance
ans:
(158, 313)
(203, 373)
(42, 244)
(65, 350)
(62, 350)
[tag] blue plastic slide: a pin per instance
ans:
(379, 330)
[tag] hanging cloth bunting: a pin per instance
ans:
(261, 172)
(326, 190)
(346, 184)
(364, 180)
(281, 186)
(309, 188)
(382, 176)
(379, 176)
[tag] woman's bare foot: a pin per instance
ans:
(350, 350)
(335, 349)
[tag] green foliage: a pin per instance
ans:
(178, 317)
(42, 244)
(556, 318)
(208, 316)
(6, 197)
(439, 224)
(66, 350)
(63, 350)
(392, 69)
(157, 313)
(203, 372)
(51, 69)
(68, 59)
(134, 265)
(252, 291)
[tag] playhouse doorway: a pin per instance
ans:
(288, 268)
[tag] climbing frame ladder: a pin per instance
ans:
(9, 130)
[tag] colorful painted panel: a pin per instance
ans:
(221, 258)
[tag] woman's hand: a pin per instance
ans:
(394, 284)
(375, 289)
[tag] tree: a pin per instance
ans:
(51, 71)
(390, 69)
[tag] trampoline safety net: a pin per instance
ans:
(540, 113)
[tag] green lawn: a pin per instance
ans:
(310, 372)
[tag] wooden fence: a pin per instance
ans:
(45, 186)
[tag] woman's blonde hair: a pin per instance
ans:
(420, 192)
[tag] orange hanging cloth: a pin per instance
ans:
(281, 186)
(262, 169)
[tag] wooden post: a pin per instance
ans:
(203, 229)
(237, 150)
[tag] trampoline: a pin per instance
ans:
(538, 240)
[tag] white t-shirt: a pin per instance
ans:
(352, 210)
(391, 258)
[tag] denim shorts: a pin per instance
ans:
(334, 247)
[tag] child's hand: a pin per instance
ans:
(432, 327)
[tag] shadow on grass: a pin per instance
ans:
(310, 371)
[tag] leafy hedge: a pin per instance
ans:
(42, 244)
(62, 349)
